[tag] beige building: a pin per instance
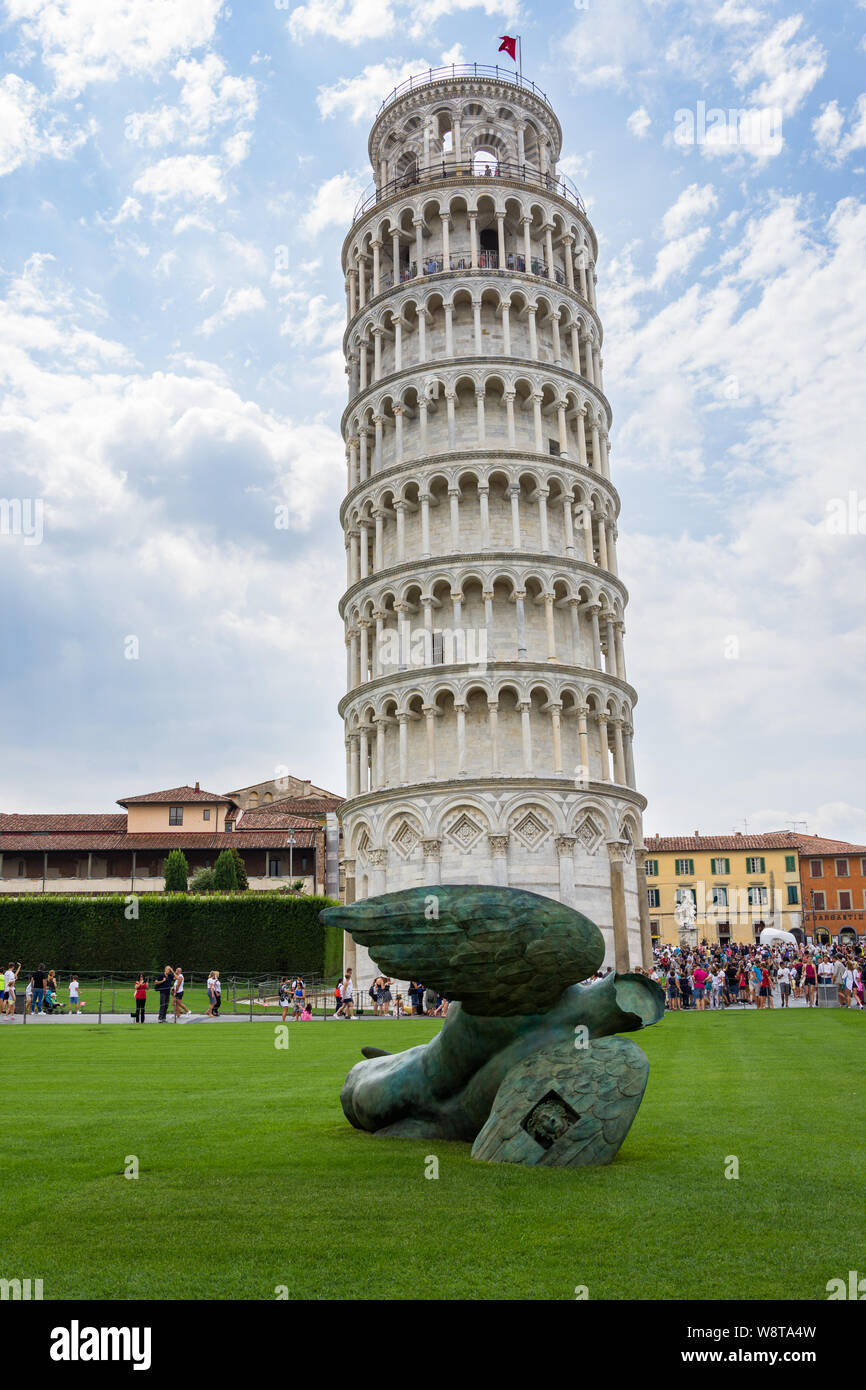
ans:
(126, 852)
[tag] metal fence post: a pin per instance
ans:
(101, 984)
(251, 1001)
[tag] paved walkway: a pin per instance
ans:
(48, 1020)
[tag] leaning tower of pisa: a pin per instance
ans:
(488, 716)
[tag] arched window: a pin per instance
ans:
(484, 164)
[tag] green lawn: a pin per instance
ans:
(251, 1178)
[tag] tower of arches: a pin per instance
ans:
(488, 716)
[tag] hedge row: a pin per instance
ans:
(233, 933)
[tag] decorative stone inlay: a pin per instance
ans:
(465, 831)
(531, 830)
(589, 834)
(405, 839)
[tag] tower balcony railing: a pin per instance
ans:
(462, 260)
(488, 70)
(451, 168)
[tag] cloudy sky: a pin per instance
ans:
(176, 178)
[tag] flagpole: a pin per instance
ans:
(520, 54)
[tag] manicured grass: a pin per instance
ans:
(251, 1178)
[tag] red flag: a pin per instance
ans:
(509, 46)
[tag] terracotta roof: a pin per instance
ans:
(39, 844)
(270, 817)
(51, 824)
(113, 844)
(816, 845)
(236, 839)
(175, 795)
(773, 839)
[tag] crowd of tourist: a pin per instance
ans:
(703, 976)
(716, 977)
(40, 992)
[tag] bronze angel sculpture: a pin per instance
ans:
(524, 1067)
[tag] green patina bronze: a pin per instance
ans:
(524, 1068)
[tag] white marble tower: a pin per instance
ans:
(488, 716)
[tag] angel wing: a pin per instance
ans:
(565, 1108)
(500, 951)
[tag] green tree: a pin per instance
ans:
(176, 872)
(203, 882)
(225, 874)
(240, 870)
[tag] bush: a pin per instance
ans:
(204, 882)
(176, 872)
(225, 873)
(257, 932)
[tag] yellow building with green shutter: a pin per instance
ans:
(738, 884)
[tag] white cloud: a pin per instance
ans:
(360, 97)
(84, 41)
(247, 300)
(786, 68)
(693, 203)
(210, 98)
(28, 128)
(728, 376)
(639, 122)
(332, 204)
(188, 177)
(360, 21)
(828, 125)
(678, 255)
(733, 13)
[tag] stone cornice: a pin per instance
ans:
(408, 289)
(543, 670)
(409, 568)
(491, 784)
(520, 366)
(466, 187)
(508, 457)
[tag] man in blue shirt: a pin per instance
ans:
(164, 984)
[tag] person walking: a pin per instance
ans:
(10, 978)
(217, 994)
(385, 997)
(284, 996)
(374, 994)
(210, 994)
(849, 984)
(39, 975)
(810, 983)
(73, 994)
(140, 998)
(784, 978)
(177, 990)
(163, 983)
(299, 992)
(347, 996)
(699, 979)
